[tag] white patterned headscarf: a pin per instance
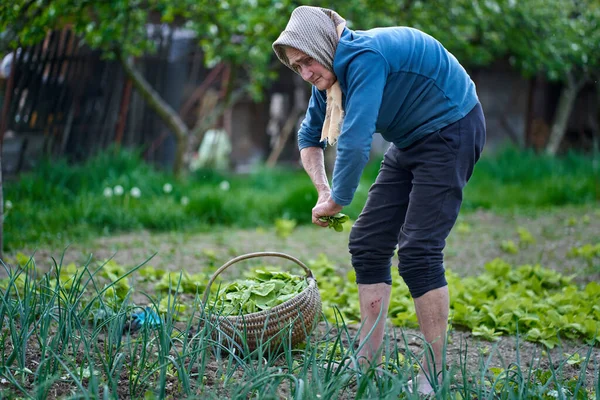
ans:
(316, 31)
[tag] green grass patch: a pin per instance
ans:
(117, 191)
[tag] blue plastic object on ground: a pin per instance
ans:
(143, 317)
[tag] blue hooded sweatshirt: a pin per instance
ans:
(397, 81)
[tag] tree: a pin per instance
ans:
(557, 38)
(235, 32)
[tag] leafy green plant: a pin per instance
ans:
(541, 304)
(284, 227)
(509, 246)
(336, 221)
(260, 291)
(587, 251)
(525, 237)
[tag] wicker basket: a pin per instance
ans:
(290, 322)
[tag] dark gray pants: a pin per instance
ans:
(414, 203)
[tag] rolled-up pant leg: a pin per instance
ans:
(374, 236)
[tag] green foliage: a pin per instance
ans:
(540, 304)
(284, 227)
(509, 246)
(235, 32)
(556, 37)
(513, 178)
(549, 36)
(59, 202)
(262, 290)
(107, 26)
(525, 237)
(181, 282)
(588, 253)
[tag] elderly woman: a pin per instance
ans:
(404, 84)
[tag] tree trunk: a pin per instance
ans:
(563, 111)
(169, 116)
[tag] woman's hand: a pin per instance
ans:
(324, 209)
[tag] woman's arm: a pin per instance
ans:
(313, 161)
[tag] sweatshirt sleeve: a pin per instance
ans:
(309, 134)
(366, 77)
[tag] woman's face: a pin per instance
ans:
(310, 69)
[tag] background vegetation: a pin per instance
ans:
(552, 38)
(81, 201)
(64, 327)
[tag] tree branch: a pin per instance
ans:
(154, 100)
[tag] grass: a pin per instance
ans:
(59, 200)
(63, 337)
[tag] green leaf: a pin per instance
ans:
(484, 332)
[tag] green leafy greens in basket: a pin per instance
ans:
(262, 291)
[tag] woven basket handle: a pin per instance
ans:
(309, 273)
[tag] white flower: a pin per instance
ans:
(108, 192)
(118, 190)
(8, 204)
(167, 188)
(224, 186)
(135, 192)
(185, 201)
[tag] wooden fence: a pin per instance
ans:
(63, 99)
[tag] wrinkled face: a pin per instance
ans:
(310, 69)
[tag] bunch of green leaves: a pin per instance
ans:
(336, 221)
(261, 291)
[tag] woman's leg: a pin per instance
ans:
(442, 164)
(373, 240)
